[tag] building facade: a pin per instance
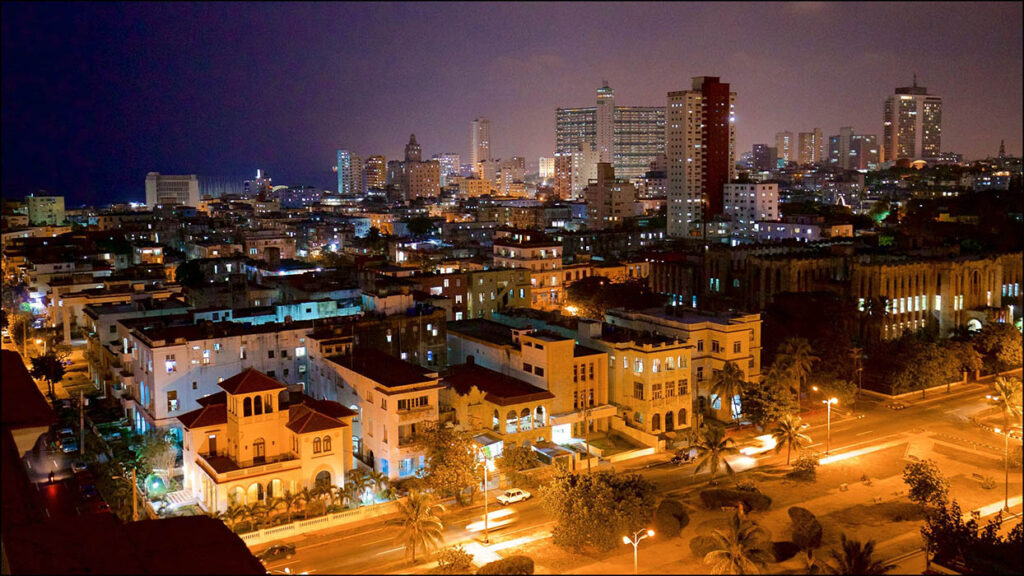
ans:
(169, 189)
(911, 124)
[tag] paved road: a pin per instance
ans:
(372, 548)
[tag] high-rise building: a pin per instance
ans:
(819, 147)
(344, 172)
(375, 173)
(449, 162)
(764, 158)
(700, 147)
(584, 167)
(480, 140)
(563, 175)
(610, 200)
(629, 137)
(810, 147)
(45, 210)
(172, 189)
(546, 168)
(747, 203)
(911, 124)
(356, 177)
(424, 179)
(413, 152)
(851, 151)
(785, 147)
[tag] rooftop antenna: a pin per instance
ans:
(915, 79)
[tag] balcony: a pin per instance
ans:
(416, 414)
(223, 468)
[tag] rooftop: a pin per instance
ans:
(498, 388)
(248, 381)
(481, 329)
(382, 368)
(23, 404)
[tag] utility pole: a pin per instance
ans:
(81, 420)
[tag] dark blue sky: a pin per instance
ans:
(96, 95)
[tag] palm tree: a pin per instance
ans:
(350, 493)
(1009, 402)
(797, 354)
(421, 527)
(254, 514)
(390, 492)
(855, 558)
(290, 501)
(727, 382)
(362, 481)
(741, 549)
(787, 432)
(307, 496)
(377, 480)
(712, 448)
(273, 504)
(231, 515)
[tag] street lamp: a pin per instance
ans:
(135, 497)
(1006, 467)
(488, 464)
(637, 537)
(828, 421)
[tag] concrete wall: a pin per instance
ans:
(375, 511)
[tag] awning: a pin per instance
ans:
(602, 411)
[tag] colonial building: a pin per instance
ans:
(255, 440)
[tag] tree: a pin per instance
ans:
(452, 466)
(308, 497)
(190, 273)
(360, 481)
(806, 528)
(377, 480)
(1000, 345)
(727, 382)
(1008, 399)
(769, 400)
(595, 294)
(517, 565)
(798, 356)
(961, 543)
(160, 455)
(787, 432)
(290, 501)
(712, 448)
(595, 510)
(926, 483)
(670, 518)
(514, 458)
(50, 368)
(743, 548)
(853, 557)
(420, 227)
(421, 526)
(454, 560)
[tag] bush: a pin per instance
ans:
(701, 545)
(718, 497)
(806, 465)
(784, 550)
(988, 483)
(670, 518)
(806, 528)
(454, 560)
(747, 486)
(510, 565)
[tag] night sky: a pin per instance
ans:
(95, 96)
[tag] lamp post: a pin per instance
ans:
(487, 466)
(1006, 468)
(135, 498)
(635, 541)
(828, 421)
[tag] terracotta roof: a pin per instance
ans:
(383, 369)
(215, 398)
(303, 419)
(211, 415)
(23, 404)
(250, 380)
(498, 388)
(328, 407)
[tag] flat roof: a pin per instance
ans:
(382, 368)
(482, 329)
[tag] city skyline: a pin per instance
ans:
(96, 96)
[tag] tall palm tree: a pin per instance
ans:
(377, 480)
(855, 558)
(362, 481)
(290, 501)
(308, 496)
(798, 356)
(1009, 402)
(255, 514)
(390, 492)
(787, 432)
(743, 548)
(231, 515)
(727, 382)
(712, 448)
(350, 491)
(421, 527)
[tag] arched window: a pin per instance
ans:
(538, 417)
(255, 493)
(274, 489)
(682, 417)
(511, 421)
(656, 422)
(236, 496)
(258, 409)
(316, 445)
(327, 443)
(525, 420)
(322, 479)
(268, 404)
(247, 407)
(259, 450)
(497, 421)
(670, 424)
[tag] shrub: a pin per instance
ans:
(806, 465)
(718, 497)
(806, 528)
(670, 518)
(454, 560)
(926, 483)
(747, 486)
(701, 545)
(784, 550)
(510, 565)
(988, 483)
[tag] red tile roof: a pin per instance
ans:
(215, 398)
(211, 415)
(303, 420)
(498, 388)
(328, 407)
(250, 380)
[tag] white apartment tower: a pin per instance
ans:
(911, 124)
(584, 167)
(785, 146)
(169, 189)
(605, 123)
(480, 141)
(748, 203)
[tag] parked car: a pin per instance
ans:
(79, 466)
(896, 406)
(67, 441)
(513, 495)
(277, 552)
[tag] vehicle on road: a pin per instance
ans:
(277, 552)
(67, 441)
(513, 495)
(896, 406)
(495, 520)
(683, 456)
(79, 466)
(95, 507)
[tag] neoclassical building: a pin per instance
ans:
(256, 440)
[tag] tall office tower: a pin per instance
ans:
(634, 135)
(413, 153)
(344, 172)
(563, 175)
(356, 173)
(700, 137)
(546, 168)
(819, 147)
(605, 116)
(375, 173)
(864, 154)
(911, 124)
(810, 146)
(169, 189)
(764, 158)
(584, 168)
(839, 148)
(610, 200)
(449, 162)
(785, 147)
(480, 141)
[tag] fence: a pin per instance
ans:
(373, 511)
(941, 387)
(640, 436)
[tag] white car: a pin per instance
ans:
(513, 495)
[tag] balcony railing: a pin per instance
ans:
(415, 414)
(224, 468)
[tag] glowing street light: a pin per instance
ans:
(828, 422)
(637, 537)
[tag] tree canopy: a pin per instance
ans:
(452, 467)
(595, 510)
(593, 295)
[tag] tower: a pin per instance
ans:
(480, 141)
(605, 123)
(413, 153)
(911, 124)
